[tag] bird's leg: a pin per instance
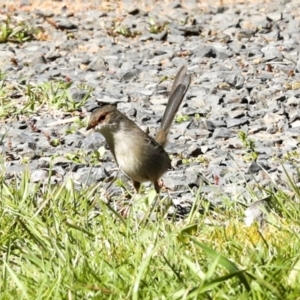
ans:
(105, 193)
(136, 185)
(113, 180)
(147, 215)
(165, 205)
(157, 197)
(156, 187)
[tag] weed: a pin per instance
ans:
(118, 28)
(163, 78)
(55, 94)
(77, 157)
(181, 118)
(80, 156)
(155, 27)
(31, 98)
(292, 156)
(18, 33)
(125, 31)
(249, 144)
(55, 142)
(57, 240)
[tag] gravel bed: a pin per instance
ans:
(244, 61)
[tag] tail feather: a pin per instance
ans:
(180, 86)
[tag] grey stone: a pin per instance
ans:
(254, 168)
(15, 170)
(88, 176)
(193, 151)
(60, 160)
(244, 78)
(98, 64)
(175, 39)
(53, 55)
(132, 10)
(176, 180)
(236, 122)
(129, 74)
(43, 162)
(275, 16)
(39, 175)
(236, 80)
(271, 118)
(39, 60)
(74, 140)
(207, 124)
(64, 23)
(222, 133)
(46, 14)
(257, 211)
(93, 141)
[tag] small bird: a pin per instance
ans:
(139, 156)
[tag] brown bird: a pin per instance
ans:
(139, 156)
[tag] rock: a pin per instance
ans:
(88, 176)
(254, 168)
(74, 140)
(132, 10)
(97, 64)
(176, 180)
(237, 122)
(222, 133)
(39, 175)
(93, 141)
(64, 23)
(245, 77)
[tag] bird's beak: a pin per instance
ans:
(88, 127)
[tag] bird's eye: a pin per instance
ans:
(101, 118)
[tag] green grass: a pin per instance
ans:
(117, 28)
(155, 27)
(17, 32)
(28, 99)
(59, 243)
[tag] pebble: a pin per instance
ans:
(244, 67)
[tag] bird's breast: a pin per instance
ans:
(138, 160)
